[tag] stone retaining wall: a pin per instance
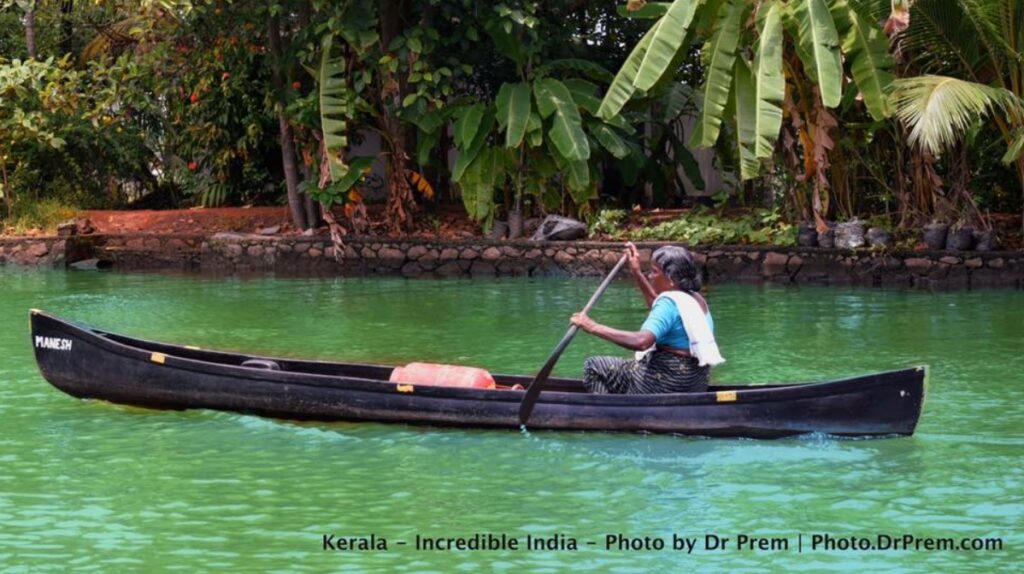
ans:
(486, 258)
(39, 251)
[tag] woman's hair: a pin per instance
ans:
(677, 264)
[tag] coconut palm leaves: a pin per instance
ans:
(939, 109)
(747, 92)
(976, 52)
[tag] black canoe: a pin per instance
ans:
(90, 363)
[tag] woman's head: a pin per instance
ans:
(674, 268)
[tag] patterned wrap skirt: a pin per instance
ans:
(656, 372)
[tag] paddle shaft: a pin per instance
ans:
(536, 386)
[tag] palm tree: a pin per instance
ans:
(971, 55)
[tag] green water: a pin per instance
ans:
(89, 486)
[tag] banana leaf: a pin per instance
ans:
(555, 101)
(467, 124)
(770, 85)
(669, 37)
(818, 43)
(621, 88)
(334, 108)
(608, 139)
(513, 111)
(721, 52)
(466, 156)
(744, 107)
(866, 48)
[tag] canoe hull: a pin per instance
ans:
(92, 364)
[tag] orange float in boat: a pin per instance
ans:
(443, 376)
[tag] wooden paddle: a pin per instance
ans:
(536, 386)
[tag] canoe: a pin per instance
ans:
(94, 364)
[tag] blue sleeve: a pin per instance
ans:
(662, 319)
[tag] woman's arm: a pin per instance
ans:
(638, 275)
(633, 340)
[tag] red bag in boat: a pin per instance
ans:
(442, 376)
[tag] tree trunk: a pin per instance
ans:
(400, 204)
(67, 26)
(312, 210)
(291, 172)
(8, 201)
(1020, 175)
(30, 32)
(291, 175)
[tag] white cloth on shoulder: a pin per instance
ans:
(702, 340)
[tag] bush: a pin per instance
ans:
(609, 222)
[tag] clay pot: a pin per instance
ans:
(878, 237)
(935, 235)
(828, 238)
(807, 236)
(961, 239)
(849, 235)
(985, 240)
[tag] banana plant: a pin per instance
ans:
(755, 52)
(338, 101)
(540, 135)
(530, 128)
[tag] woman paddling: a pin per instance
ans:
(677, 336)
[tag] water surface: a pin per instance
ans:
(90, 486)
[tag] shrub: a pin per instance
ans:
(761, 227)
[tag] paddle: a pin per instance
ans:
(533, 391)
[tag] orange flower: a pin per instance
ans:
(354, 196)
(192, 166)
(296, 85)
(350, 210)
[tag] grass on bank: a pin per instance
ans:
(37, 217)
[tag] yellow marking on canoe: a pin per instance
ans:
(725, 396)
(406, 388)
(158, 358)
(192, 348)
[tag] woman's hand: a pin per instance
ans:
(582, 321)
(633, 259)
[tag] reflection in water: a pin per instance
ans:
(86, 485)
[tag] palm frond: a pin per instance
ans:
(939, 40)
(1016, 148)
(938, 110)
